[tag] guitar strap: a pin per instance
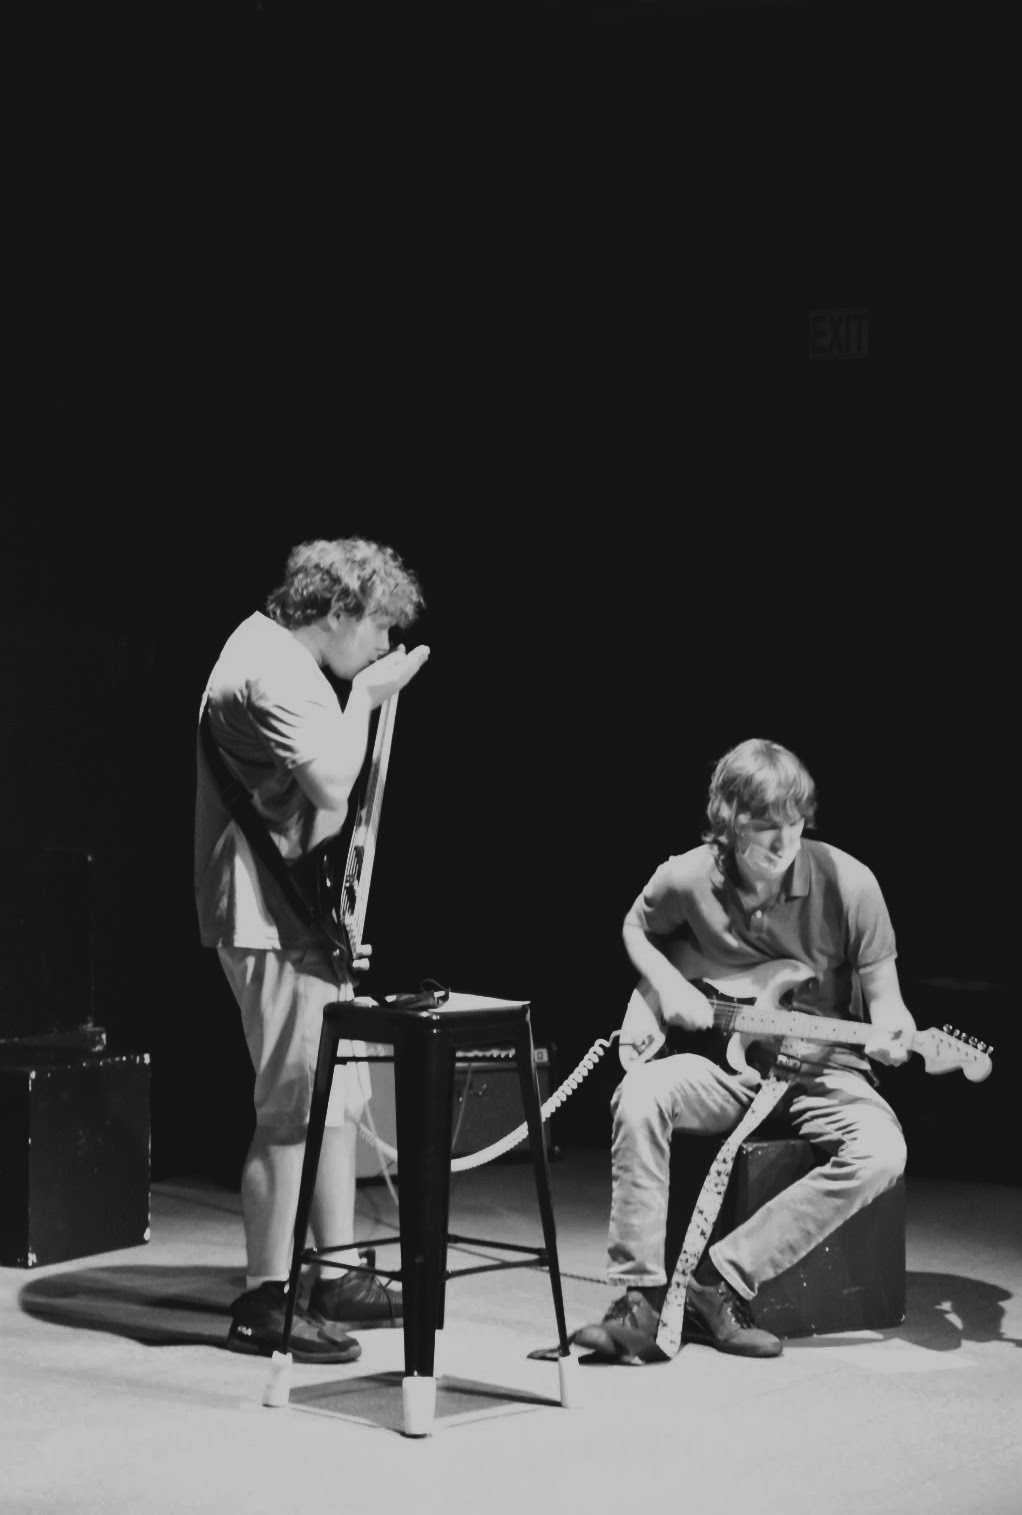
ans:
(707, 1208)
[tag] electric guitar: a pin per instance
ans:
(341, 892)
(757, 1008)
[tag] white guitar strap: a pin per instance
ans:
(707, 1208)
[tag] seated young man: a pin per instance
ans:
(756, 890)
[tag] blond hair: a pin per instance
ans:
(756, 781)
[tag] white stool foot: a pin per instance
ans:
(419, 1398)
(567, 1371)
(277, 1392)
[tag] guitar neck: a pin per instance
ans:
(753, 1019)
(362, 850)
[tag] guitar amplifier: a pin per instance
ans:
(488, 1102)
(487, 1105)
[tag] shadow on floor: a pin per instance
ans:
(158, 1306)
(168, 1306)
(173, 1306)
(943, 1311)
(376, 1400)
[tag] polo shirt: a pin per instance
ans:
(829, 913)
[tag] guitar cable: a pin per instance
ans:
(496, 1149)
(388, 1154)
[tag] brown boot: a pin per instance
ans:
(717, 1315)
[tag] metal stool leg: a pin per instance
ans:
(424, 1087)
(529, 1082)
(310, 1167)
(277, 1391)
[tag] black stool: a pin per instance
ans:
(425, 1040)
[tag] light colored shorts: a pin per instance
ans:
(282, 995)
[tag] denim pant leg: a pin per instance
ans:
(653, 1100)
(841, 1112)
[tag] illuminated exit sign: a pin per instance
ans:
(837, 335)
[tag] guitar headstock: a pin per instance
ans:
(944, 1051)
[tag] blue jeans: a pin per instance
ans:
(836, 1109)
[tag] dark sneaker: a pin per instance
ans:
(717, 1315)
(626, 1334)
(257, 1327)
(354, 1299)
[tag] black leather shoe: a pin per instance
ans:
(354, 1299)
(626, 1334)
(257, 1327)
(717, 1315)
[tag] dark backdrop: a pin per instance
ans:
(526, 296)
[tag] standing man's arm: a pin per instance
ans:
(327, 779)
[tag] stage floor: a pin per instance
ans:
(116, 1394)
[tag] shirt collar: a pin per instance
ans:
(799, 875)
(798, 883)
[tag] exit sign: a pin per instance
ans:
(837, 335)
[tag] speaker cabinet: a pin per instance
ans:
(853, 1281)
(74, 1158)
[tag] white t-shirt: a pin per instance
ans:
(271, 709)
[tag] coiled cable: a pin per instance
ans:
(387, 1153)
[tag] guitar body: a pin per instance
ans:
(767, 986)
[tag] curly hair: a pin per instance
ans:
(757, 780)
(350, 576)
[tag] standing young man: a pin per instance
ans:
(277, 722)
(755, 891)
